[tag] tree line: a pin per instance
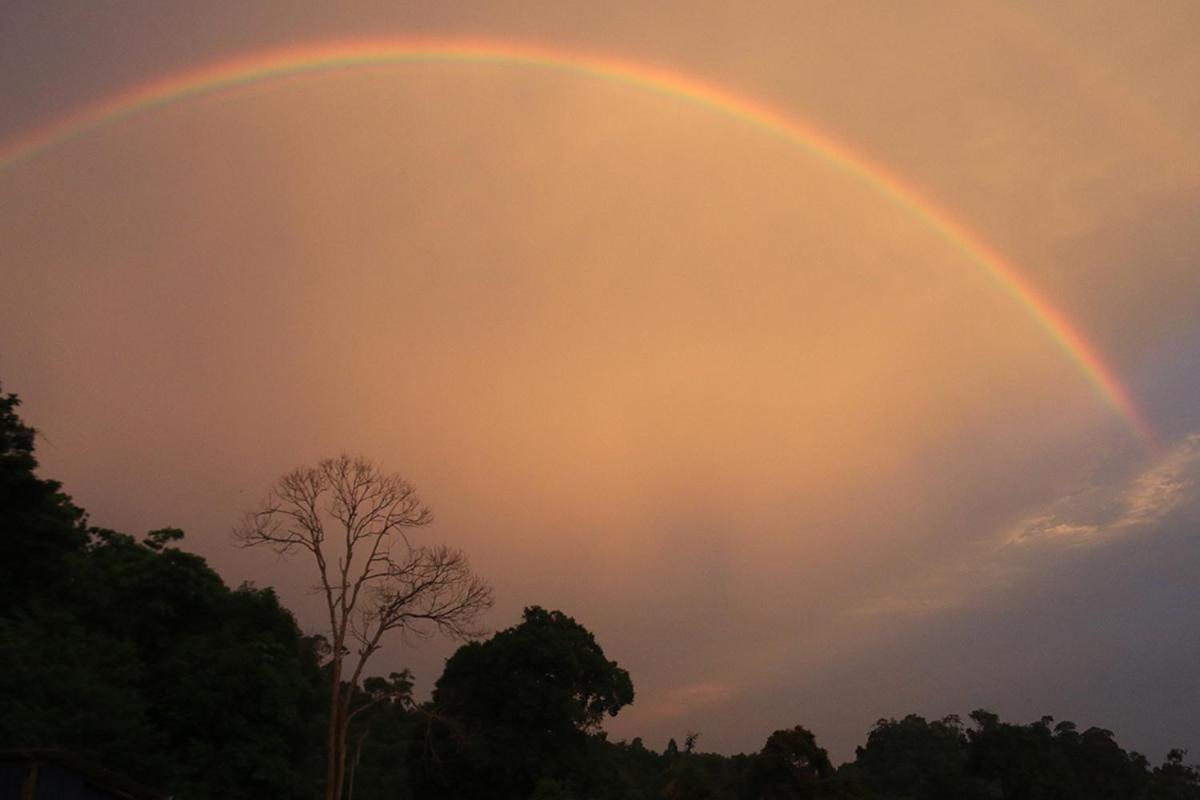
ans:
(136, 655)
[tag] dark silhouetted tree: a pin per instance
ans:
(1043, 760)
(522, 706)
(137, 656)
(790, 765)
(913, 758)
(1174, 780)
(39, 525)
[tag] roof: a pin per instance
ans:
(98, 776)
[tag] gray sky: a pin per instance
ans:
(790, 455)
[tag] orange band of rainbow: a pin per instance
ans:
(337, 55)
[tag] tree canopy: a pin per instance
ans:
(136, 655)
(547, 674)
(39, 525)
(522, 705)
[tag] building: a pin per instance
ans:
(59, 775)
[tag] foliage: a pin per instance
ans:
(1040, 760)
(39, 525)
(136, 655)
(1174, 780)
(790, 765)
(546, 674)
(519, 708)
(913, 758)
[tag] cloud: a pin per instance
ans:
(1137, 503)
(1161, 489)
(745, 418)
(1107, 507)
(1051, 526)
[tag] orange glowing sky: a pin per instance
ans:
(797, 427)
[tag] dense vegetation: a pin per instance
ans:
(136, 655)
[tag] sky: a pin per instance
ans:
(829, 361)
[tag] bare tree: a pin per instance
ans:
(355, 521)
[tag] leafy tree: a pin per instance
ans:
(917, 759)
(520, 707)
(1174, 780)
(137, 656)
(66, 686)
(185, 683)
(619, 771)
(1102, 769)
(353, 520)
(687, 779)
(39, 525)
(697, 776)
(547, 674)
(1042, 760)
(379, 738)
(1020, 762)
(790, 765)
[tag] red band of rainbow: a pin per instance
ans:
(338, 55)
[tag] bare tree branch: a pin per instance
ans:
(354, 520)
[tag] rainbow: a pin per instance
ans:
(312, 58)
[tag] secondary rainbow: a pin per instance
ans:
(322, 57)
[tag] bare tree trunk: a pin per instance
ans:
(332, 756)
(358, 746)
(344, 727)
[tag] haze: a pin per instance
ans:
(791, 456)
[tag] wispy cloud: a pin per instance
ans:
(1094, 515)
(1137, 503)
(1051, 526)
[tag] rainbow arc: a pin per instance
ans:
(326, 57)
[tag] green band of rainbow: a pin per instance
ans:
(323, 57)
